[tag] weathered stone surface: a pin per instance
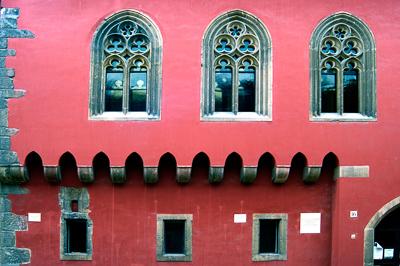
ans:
(4, 143)
(7, 52)
(12, 189)
(280, 174)
(52, 174)
(6, 82)
(117, 175)
(7, 239)
(9, 13)
(8, 157)
(5, 204)
(5, 131)
(10, 93)
(216, 175)
(13, 174)
(12, 222)
(4, 117)
(9, 72)
(150, 175)
(352, 171)
(3, 103)
(14, 255)
(248, 175)
(86, 174)
(311, 174)
(13, 33)
(3, 42)
(183, 175)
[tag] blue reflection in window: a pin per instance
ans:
(350, 91)
(328, 91)
(113, 90)
(138, 91)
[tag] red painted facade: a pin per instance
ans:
(52, 118)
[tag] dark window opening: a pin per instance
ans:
(247, 89)
(114, 90)
(223, 90)
(268, 236)
(76, 235)
(138, 91)
(174, 236)
(74, 206)
(328, 91)
(350, 91)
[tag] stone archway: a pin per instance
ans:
(369, 230)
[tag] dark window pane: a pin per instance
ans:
(76, 235)
(174, 236)
(268, 236)
(350, 91)
(247, 95)
(328, 91)
(138, 91)
(223, 90)
(114, 88)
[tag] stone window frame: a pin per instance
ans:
(154, 77)
(282, 237)
(263, 90)
(367, 71)
(68, 194)
(161, 255)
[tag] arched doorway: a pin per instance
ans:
(382, 236)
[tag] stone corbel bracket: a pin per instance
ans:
(248, 175)
(311, 174)
(118, 175)
(183, 174)
(216, 174)
(86, 174)
(52, 174)
(150, 175)
(13, 174)
(280, 174)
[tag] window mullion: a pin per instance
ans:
(102, 89)
(235, 89)
(125, 92)
(340, 89)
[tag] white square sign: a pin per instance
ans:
(310, 223)
(239, 218)
(34, 217)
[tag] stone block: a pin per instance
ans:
(5, 131)
(14, 33)
(7, 239)
(8, 157)
(13, 174)
(5, 204)
(12, 222)
(9, 13)
(3, 43)
(12, 190)
(10, 93)
(4, 117)
(7, 52)
(7, 72)
(14, 255)
(3, 103)
(5, 143)
(6, 82)
(118, 175)
(2, 62)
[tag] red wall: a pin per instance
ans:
(53, 118)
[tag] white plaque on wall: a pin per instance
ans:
(34, 217)
(310, 223)
(239, 218)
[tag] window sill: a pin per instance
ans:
(76, 256)
(119, 116)
(231, 117)
(349, 117)
(174, 257)
(269, 257)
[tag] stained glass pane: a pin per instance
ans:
(328, 91)
(138, 91)
(247, 81)
(114, 88)
(223, 90)
(350, 91)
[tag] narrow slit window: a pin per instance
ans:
(269, 236)
(328, 91)
(223, 88)
(76, 235)
(350, 91)
(174, 236)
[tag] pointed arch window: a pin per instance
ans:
(236, 69)
(126, 68)
(342, 70)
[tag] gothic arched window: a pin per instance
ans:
(236, 69)
(342, 70)
(126, 68)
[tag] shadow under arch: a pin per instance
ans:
(233, 166)
(200, 166)
(34, 166)
(134, 167)
(329, 166)
(167, 166)
(297, 165)
(68, 169)
(101, 166)
(369, 230)
(265, 166)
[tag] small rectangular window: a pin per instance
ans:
(269, 237)
(76, 235)
(174, 237)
